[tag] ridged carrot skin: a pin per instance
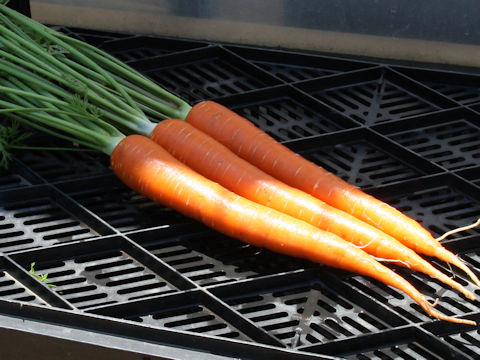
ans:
(257, 147)
(216, 162)
(149, 169)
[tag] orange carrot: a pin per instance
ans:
(216, 162)
(249, 142)
(149, 169)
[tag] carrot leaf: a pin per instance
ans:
(10, 137)
(43, 277)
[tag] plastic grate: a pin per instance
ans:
(375, 97)
(374, 102)
(11, 180)
(453, 145)
(408, 136)
(439, 208)
(450, 302)
(471, 174)
(197, 319)
(38, 222)
(467, 342)
(100, 272)
(462, 94)
(205, 79)
(143, 47)
(88, 281)
(204, 73)
(92, 37)
(363, 164)
(288, 119)
(210, 259)
(307, 315)
(291, 67)
(411, 351)
(292, 73)
(459, 87)
(122, 208)
(11, 289)
(54, 166)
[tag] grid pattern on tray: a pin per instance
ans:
(93, 280)
(307, 315)
(408, 135)
(11, 289)
(38, 221)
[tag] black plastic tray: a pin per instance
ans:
(135, 279)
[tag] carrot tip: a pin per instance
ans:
(467, 322)
(437, 314)
(449, 257)
(469, 295)
(454, 259)
(470, 273)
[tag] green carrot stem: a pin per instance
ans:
(28, 94)
(49, 66)
(50, 59)
(26, 47)
(26, 58)
(103, 143)
(43, 117)
(147, 99)
(132, 75)
(156, 104)
(95, 124)
(48, 34)
(49, 148)
(49, 131)
(122, 116)
(32, 78)
(23, 98)
(126, 72)
(12, 26)
(82, 118)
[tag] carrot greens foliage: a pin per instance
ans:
(10, 138)
(65, 87)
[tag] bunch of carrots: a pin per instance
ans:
(206, 161)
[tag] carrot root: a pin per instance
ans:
(460, 229)
(449, 281)
(436, 274)
(450, 257)
(428, 308)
